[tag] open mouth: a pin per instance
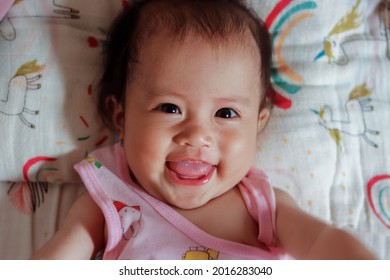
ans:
(190, 172)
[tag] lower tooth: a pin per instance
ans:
(191, 178)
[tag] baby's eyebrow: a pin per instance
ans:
(163, 93)
(234, 99)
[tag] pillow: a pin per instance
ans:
(49, 60)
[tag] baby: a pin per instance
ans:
(185, 86)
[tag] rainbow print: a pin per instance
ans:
(282, 19)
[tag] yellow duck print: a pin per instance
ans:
(200, 253)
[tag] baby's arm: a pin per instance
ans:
(305, 237)
(81, 235)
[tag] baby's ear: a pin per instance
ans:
(263, 119)
(117, 113)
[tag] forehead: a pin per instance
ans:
(196, 66)
(165, 48)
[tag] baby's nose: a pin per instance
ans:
(195, 134)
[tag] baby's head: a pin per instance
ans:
(185, 83)
(218, 22)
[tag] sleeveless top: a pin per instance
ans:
(142, 227)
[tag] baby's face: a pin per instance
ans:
(191, 119)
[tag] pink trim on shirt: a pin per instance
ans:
(5, 5)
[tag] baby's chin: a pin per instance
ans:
(184, 205)
(192, 203)
(189, 203)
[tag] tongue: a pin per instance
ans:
(190, 169)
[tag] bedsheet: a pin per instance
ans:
(327, 141)
(23, 233)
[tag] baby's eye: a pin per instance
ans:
(168, 108)
(226, 113)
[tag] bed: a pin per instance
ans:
(327, 142)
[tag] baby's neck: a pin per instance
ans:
(225, 217)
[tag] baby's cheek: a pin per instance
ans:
(239, 142)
